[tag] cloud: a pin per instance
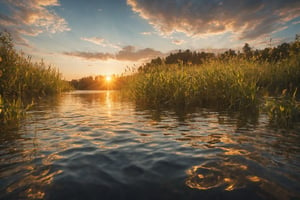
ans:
(297, 22)
(32, 18)
(100, 41)
(128, 53)
(95, 40)
(178, 42)
(248, 19)
(90, 55)
(146, 33)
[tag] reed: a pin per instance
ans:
(232, 84)
(275, 77)
(222, 84)
(22, 79)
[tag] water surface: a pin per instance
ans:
(94, 145)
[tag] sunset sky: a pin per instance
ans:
(91, 37)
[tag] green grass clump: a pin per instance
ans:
(236, 83)
(11, 111)
(216, 83)
(275, 77)
(284, 110)
(21, 79)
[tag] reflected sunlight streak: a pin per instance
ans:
(108, 103)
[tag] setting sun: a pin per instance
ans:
(108, 78)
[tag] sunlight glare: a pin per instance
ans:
(108, 78)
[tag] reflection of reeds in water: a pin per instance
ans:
(34, 183)
(31, 179)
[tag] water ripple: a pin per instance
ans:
(92, 145)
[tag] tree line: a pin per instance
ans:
(97, 83)
(193, 58)
(188, 57)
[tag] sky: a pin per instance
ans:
(92, 37)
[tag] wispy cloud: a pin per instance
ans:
(248, 19)
(90, 55)
(32, 18)
(146, 33)
(296, 22)
(178, 42)
(95, 40)
(128, 53)
(100, 41)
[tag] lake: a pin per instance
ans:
(97, 145)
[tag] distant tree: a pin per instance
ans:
(297, 38)
(74, 83)
(247, 50)
(228, 54)
(157, 61)
(187, 57)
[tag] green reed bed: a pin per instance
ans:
(275, 77)
(233, 84)
(216, 83)
(21, 79)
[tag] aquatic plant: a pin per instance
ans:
(283, 111)
(11, 111)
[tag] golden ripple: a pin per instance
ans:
(229, 175)
(204, 178)
(253, 178)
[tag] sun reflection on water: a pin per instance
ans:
(108, 103)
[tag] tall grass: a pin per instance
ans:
(276, 77)
(22, 79)
(232, 84)
(222, 84)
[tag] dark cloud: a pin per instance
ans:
(249, 19)
(128, 53)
